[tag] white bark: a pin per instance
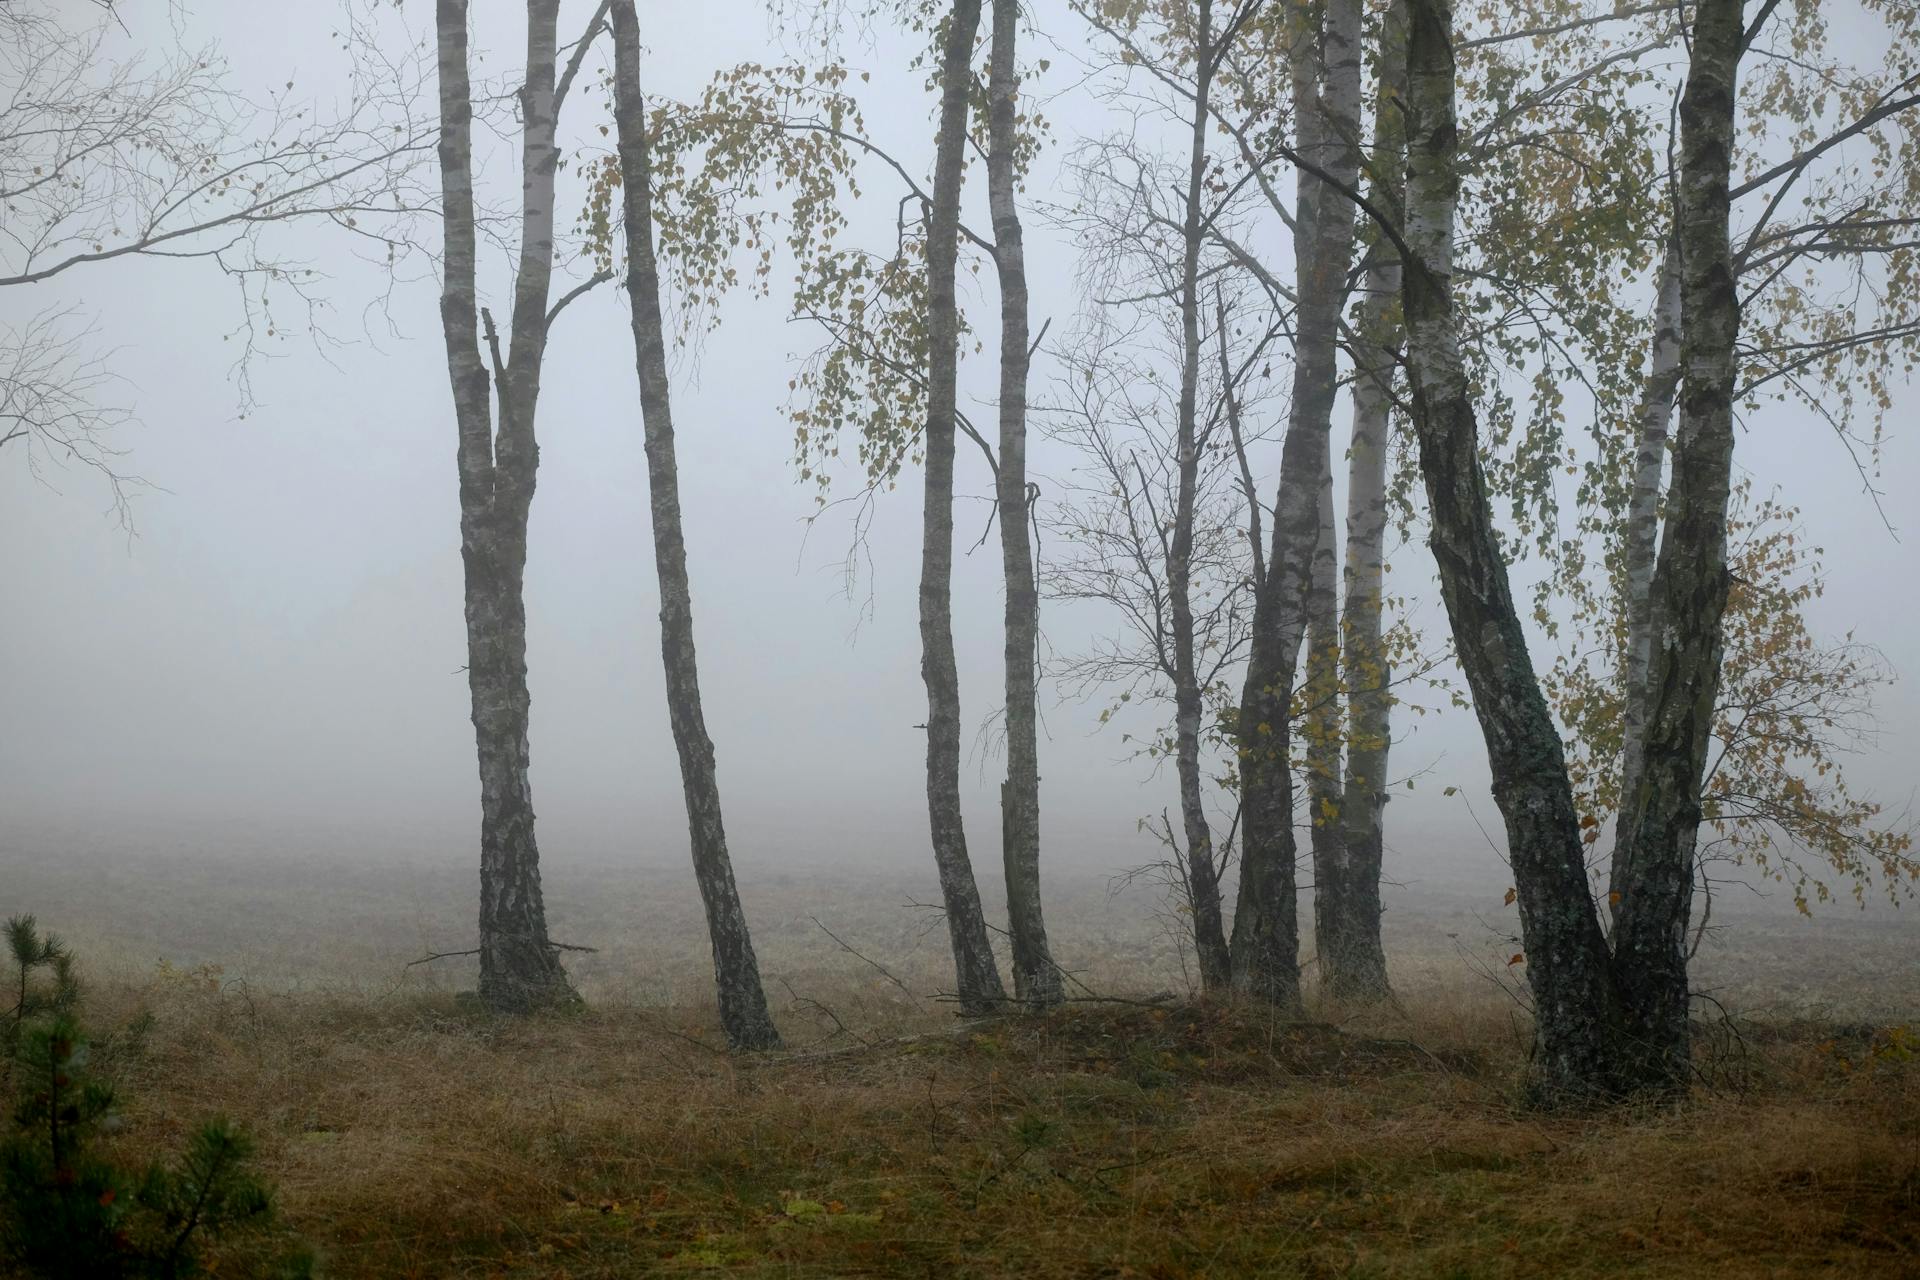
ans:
(1643, 523)
(519, 966)
(1265, 941)
(1654, 864)
(1036, 979)
(743, 1002)
(976, 976)
(1576, 1009)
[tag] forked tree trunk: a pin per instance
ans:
(1353, 963)
(976, 976)
(1036, 979)
(1661, 819)
(1643, 536)
(519, 966)
(743, 1004)
(1578, 1018)
(1266, 927)
(1203, 888)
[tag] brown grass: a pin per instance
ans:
(413, 1136)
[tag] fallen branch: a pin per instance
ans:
(1160, 1001)
(808, 1002)
(441, 955)
(448, 955)
(876, 965)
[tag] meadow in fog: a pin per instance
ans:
(1082, 637)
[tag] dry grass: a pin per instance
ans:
(414, 1136)
(411, 1135)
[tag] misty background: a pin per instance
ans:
(274, 661)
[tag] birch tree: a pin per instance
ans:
(1347, 887)
(498, 458)
(975, 971)
(1036, 979)
(1825, 323)
(1275, 81)
(1820, 325)
(1576, 1007)
(1792, 705)
(1162, 514)
(743, 1003)
(1209, 933)
(1661, 814)
(1114, 525)
(1606, 1021)
(1325, 54)
(767, 160)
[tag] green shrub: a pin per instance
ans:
(43, 983)
(67, 1211)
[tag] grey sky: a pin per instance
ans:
(282, 640)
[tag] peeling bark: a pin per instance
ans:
(743, 1003)
(1654, 865)
(519, 966)
(1577, 1013)
(1266, 928)
(976, 975)
(1036, 979)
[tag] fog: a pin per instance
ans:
(280, 645)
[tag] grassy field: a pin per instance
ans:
(1133, 1135)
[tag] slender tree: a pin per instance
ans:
(498, 456)
(1209, 932)
(1115, 523)
(743, 1003)
(977, 975)
(1326, 109)
(1655, 421)
(1184, 48)
(1036, 979)
(884, 369)
(1347, 894)
(1324, 46)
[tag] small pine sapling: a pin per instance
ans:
(70, 1213)
(55, 991)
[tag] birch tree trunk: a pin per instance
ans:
(519, 966)
(1329, 93)
(1036, 979)
(1321, 726)
(1642, 538)
(1577, 1014)
(1353, 963)
(1266, 928)
(1654, 865)
(1203, 888)
(976, 976)
(743, 1003)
